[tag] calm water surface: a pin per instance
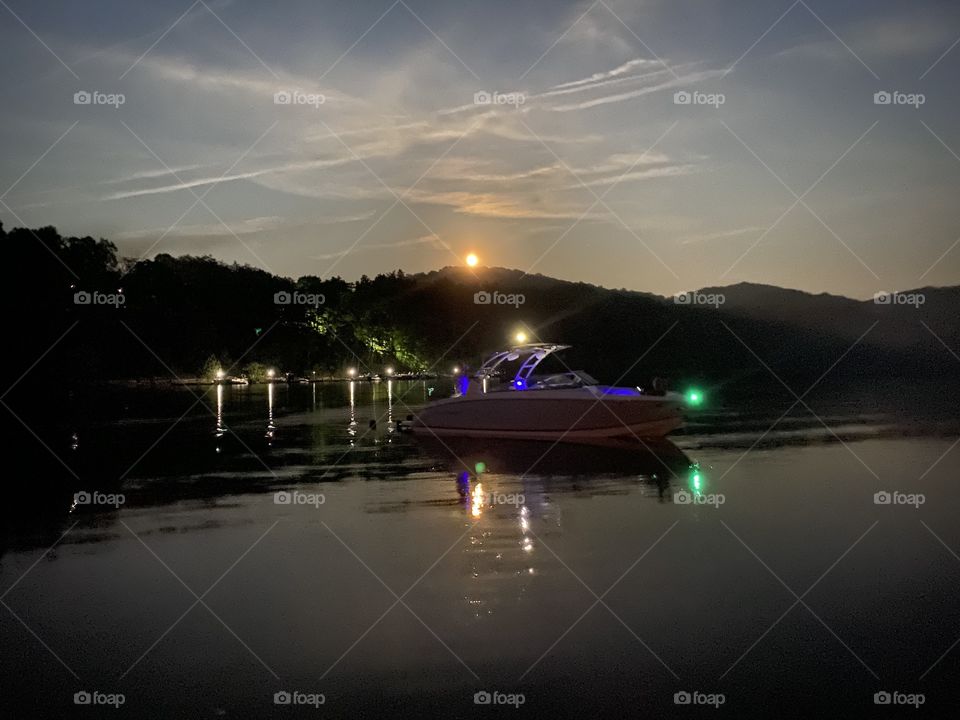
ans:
(403, 577)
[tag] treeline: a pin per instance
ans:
(106, 317)
(130, 319)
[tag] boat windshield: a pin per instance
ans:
(555, 381)
(574, 378)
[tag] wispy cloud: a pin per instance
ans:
(210, 180)
(241, 227)
(150, 174)
(615, 72)
(916, 35)
(497, 205)
(248, 226)
(682, 81)
(431, 240)
(648, 174)
(404, 106)
(588, 87)
(722, 235)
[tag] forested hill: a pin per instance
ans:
(127, 319)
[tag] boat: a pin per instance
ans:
(568, 406)
(231, 380)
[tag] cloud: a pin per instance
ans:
(150, 174)
(882, 38)
(337, 219)
(431, 240)
(241, 227)
(615, 72)
(498, 205)
(722, 235)
(214, 180)
(625, 80)
(230, 80)
(681, 81)
(598, 28)
(474, 169)
(479, 161)
(619, 161)
(649, 174)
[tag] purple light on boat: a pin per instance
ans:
(608, 390)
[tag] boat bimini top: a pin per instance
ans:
(535, 353)
(530, 356)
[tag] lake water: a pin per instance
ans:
(397, 577)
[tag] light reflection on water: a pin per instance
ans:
(515, 575)
(304, 441)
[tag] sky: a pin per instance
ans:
(655, 145)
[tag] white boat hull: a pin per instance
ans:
(574, 415)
